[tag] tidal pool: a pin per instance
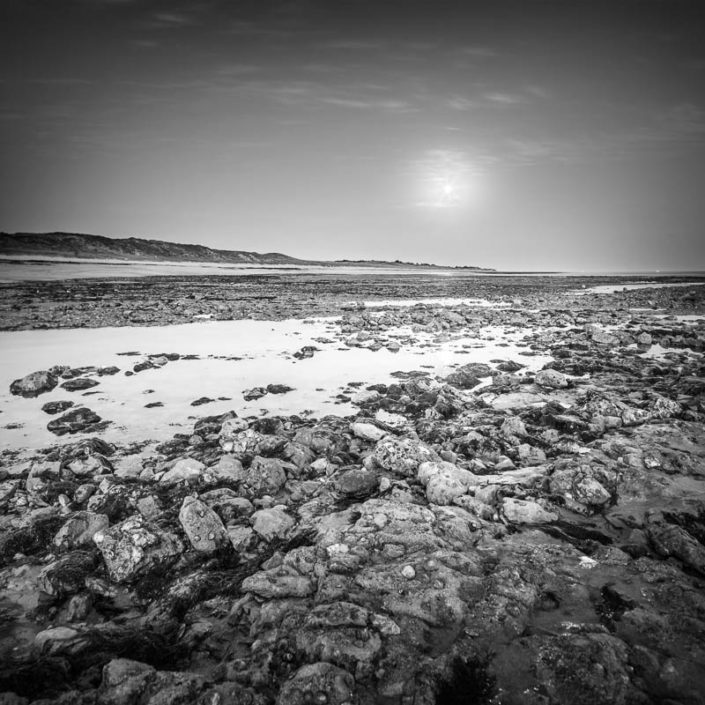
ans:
(232, 356)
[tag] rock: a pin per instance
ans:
(185, 470)
(79, 529)
(66, 575)
(444, 481)
(34, 384)
(228, 469)
(513, 427)
(393, 421)
(202, 526)
(603, 337)
(673, 540)
(318, 682)
(79, 384)
(365, 396)
(278, 583)
(265, 476)
(279, 388)
(513, 400)
(201, 401)
(367, 431)
(128, 466)
(272, 523)
(55, 639)
(56, 407)
(149, 507)
(584, 669)
(469, 375)
(357, 482)
(551, 379)
(241, 537)
(509, 366)
(520, 511)
(135, 547)
(306, 352)
(254, 393)
(402, 455)
(227, 504)
(74, 421)
(408, 572)
(119, 670)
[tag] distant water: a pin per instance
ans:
(53, 269)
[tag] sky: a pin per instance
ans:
(514, 134)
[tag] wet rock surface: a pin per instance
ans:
(493, 536)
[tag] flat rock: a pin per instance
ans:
(272, 523)
(187, 469)
(79, 384)
(520, 511)
(56, 407)
(74, 421)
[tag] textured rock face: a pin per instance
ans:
(34, 384)
(78, 531)
(272, 523)
(185, 470)
(265, 476)
(551, 379)
(134, 547)
(320, 682)
(526, 512)
(203, 526)
(402, 455)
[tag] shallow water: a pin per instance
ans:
(614, 288)
(403, 303)
(46, 269)
(233, 356)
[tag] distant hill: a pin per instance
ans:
(80, 246)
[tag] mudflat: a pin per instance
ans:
(353, 488)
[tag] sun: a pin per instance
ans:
(447, 180)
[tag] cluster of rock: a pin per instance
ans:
(152, 301)
(537, 540)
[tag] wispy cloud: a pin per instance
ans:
(353, 44)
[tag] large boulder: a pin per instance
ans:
(34, 384)
(203, 526)
(134, 547)
(74, 421)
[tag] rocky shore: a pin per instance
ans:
(155, 301)
(496, 535)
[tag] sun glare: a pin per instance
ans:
(447, 180)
